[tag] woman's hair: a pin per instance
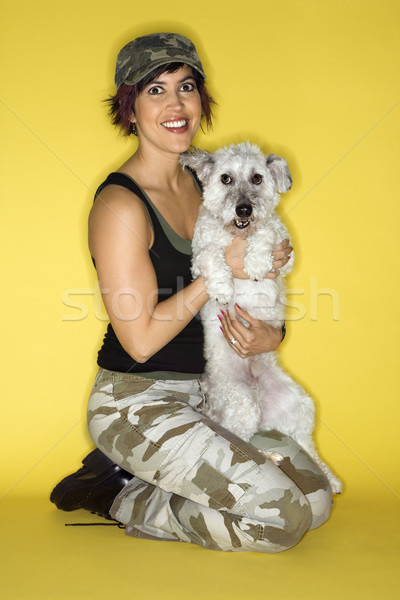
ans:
(121, 105)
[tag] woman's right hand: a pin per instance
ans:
(234, 256)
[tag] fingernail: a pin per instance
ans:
(238, 306)
(221, 328)
(219, 317)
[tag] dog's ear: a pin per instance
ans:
(279, 170)
(200, 161)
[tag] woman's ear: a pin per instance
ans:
(133, 123)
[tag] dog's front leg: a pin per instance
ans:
(258, 259)
(282, 233)
(209, 244)
(260, 246)
(217, 275)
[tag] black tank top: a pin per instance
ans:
(184, 353)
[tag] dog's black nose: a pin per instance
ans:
(244, 211)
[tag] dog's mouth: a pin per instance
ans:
(243, 212)
(241, 223)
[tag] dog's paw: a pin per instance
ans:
(257, 269)
(286, 269)
(336, 484)
(258, 274)
(195, 271)
(224, 298)
(221, 292)
(275, 457)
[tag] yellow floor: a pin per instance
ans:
(353, 556)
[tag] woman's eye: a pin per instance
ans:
(187, 87)
(155, 90)
(257, 178)
(226, 179)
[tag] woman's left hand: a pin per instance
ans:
(281, 255)
(249, 341)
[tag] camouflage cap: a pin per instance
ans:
(138, 58)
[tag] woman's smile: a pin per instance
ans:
(176, 125)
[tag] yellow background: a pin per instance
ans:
(316, 81)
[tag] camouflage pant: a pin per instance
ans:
(196, 482)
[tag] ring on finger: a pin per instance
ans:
(233, 341)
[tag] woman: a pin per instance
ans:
(193, 481)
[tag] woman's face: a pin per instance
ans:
(168, 111)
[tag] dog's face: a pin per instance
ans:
(241, 185)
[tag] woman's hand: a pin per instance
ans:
(281, 255)
(234, 256)
(258, 338)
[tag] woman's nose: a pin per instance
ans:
(175, 100)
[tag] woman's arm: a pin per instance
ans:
(120, 236)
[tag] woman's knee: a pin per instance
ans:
(321, 504)
(274, 536)
(282, 514)
(229, 532)
(312, 482)
(316, 488)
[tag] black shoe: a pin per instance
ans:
(93, 487)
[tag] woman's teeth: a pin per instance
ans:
(174, 124)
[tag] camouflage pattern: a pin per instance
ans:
(196, 482)
(138, 58)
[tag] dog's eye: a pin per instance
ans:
(226, 179)
(257, 178)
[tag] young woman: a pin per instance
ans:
(162, 468)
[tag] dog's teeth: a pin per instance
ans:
(241, 224)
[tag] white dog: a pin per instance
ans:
(240, 191)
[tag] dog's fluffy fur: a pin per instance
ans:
(241, 188)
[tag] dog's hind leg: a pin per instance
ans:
(231, 403)
(286, 407)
